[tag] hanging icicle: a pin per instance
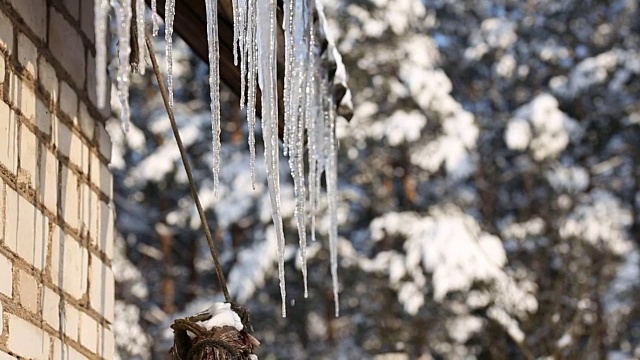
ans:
(214, 88)
(154, 17)
(309, 109)
(140, 8)
(123, 19)
(267, 79)
(101, 9)
(169, 13)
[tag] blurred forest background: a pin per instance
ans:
(489, 192)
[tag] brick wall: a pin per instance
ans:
(56, 221)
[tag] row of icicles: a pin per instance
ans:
(308, 104)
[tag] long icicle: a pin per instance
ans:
(123, 19)
(267, 49)
(154, 17)
(169, 15)
(101, 9)
(252, 72)
(140, 9)
(214, 88)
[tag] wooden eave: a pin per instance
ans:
(191, 24)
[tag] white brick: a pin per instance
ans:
(71, 321)
(73, 7)
(106, 344)
(104, 141)
(27, 340)
(87, 123)
(51, 307)
(69, 199)
(106, 180)
(68, 101)
(86, 19)
(48, 78)
(69, 272)
(6, 33)
(47, 182)
(29, 292)
(62, 38)
(6, 269)
(88, 332)
(34, 13)
(102, 289)
(61, 137)
(22, 96)
(43, 117)
(27, 54)
(9, 134)
(89, 213)
(2, 211)
(26, 230)
(106, 224)
(28, 156)
(3, 67)
(79, 153)
(65, 352)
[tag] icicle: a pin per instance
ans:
(267, 74)
(154, 17)
(214, 87)
(241, 39)
(101, 9)
(169, 14)
(123, 19)
(288, 60)
(252, 71)
(331, 172)
(140, 8)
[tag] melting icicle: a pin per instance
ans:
(169, 14)
(332, 195)
(214, 87)
(251, 46)
(123, 19)
(101, 9)
(154, 17)
(140, 7)
(288, 61)
(267, 75)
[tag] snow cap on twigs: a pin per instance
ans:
(214, 334)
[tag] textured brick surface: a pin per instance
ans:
(27, 340)
(86, 10)
(68, 101)
(34, 13)
(6, 33)
(29, 292)
(28, 156)
(22, 96)
(26, 230)
(62, 38)
(51, 307)
(9, 134)
(48, 78)
(69, 200)
(69, 271)
(73, 7)
(52, 221)
(47, 184)
(27, 54)
(88, 332)
(102, 289)
(7, 276)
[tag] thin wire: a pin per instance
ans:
(187, 168)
